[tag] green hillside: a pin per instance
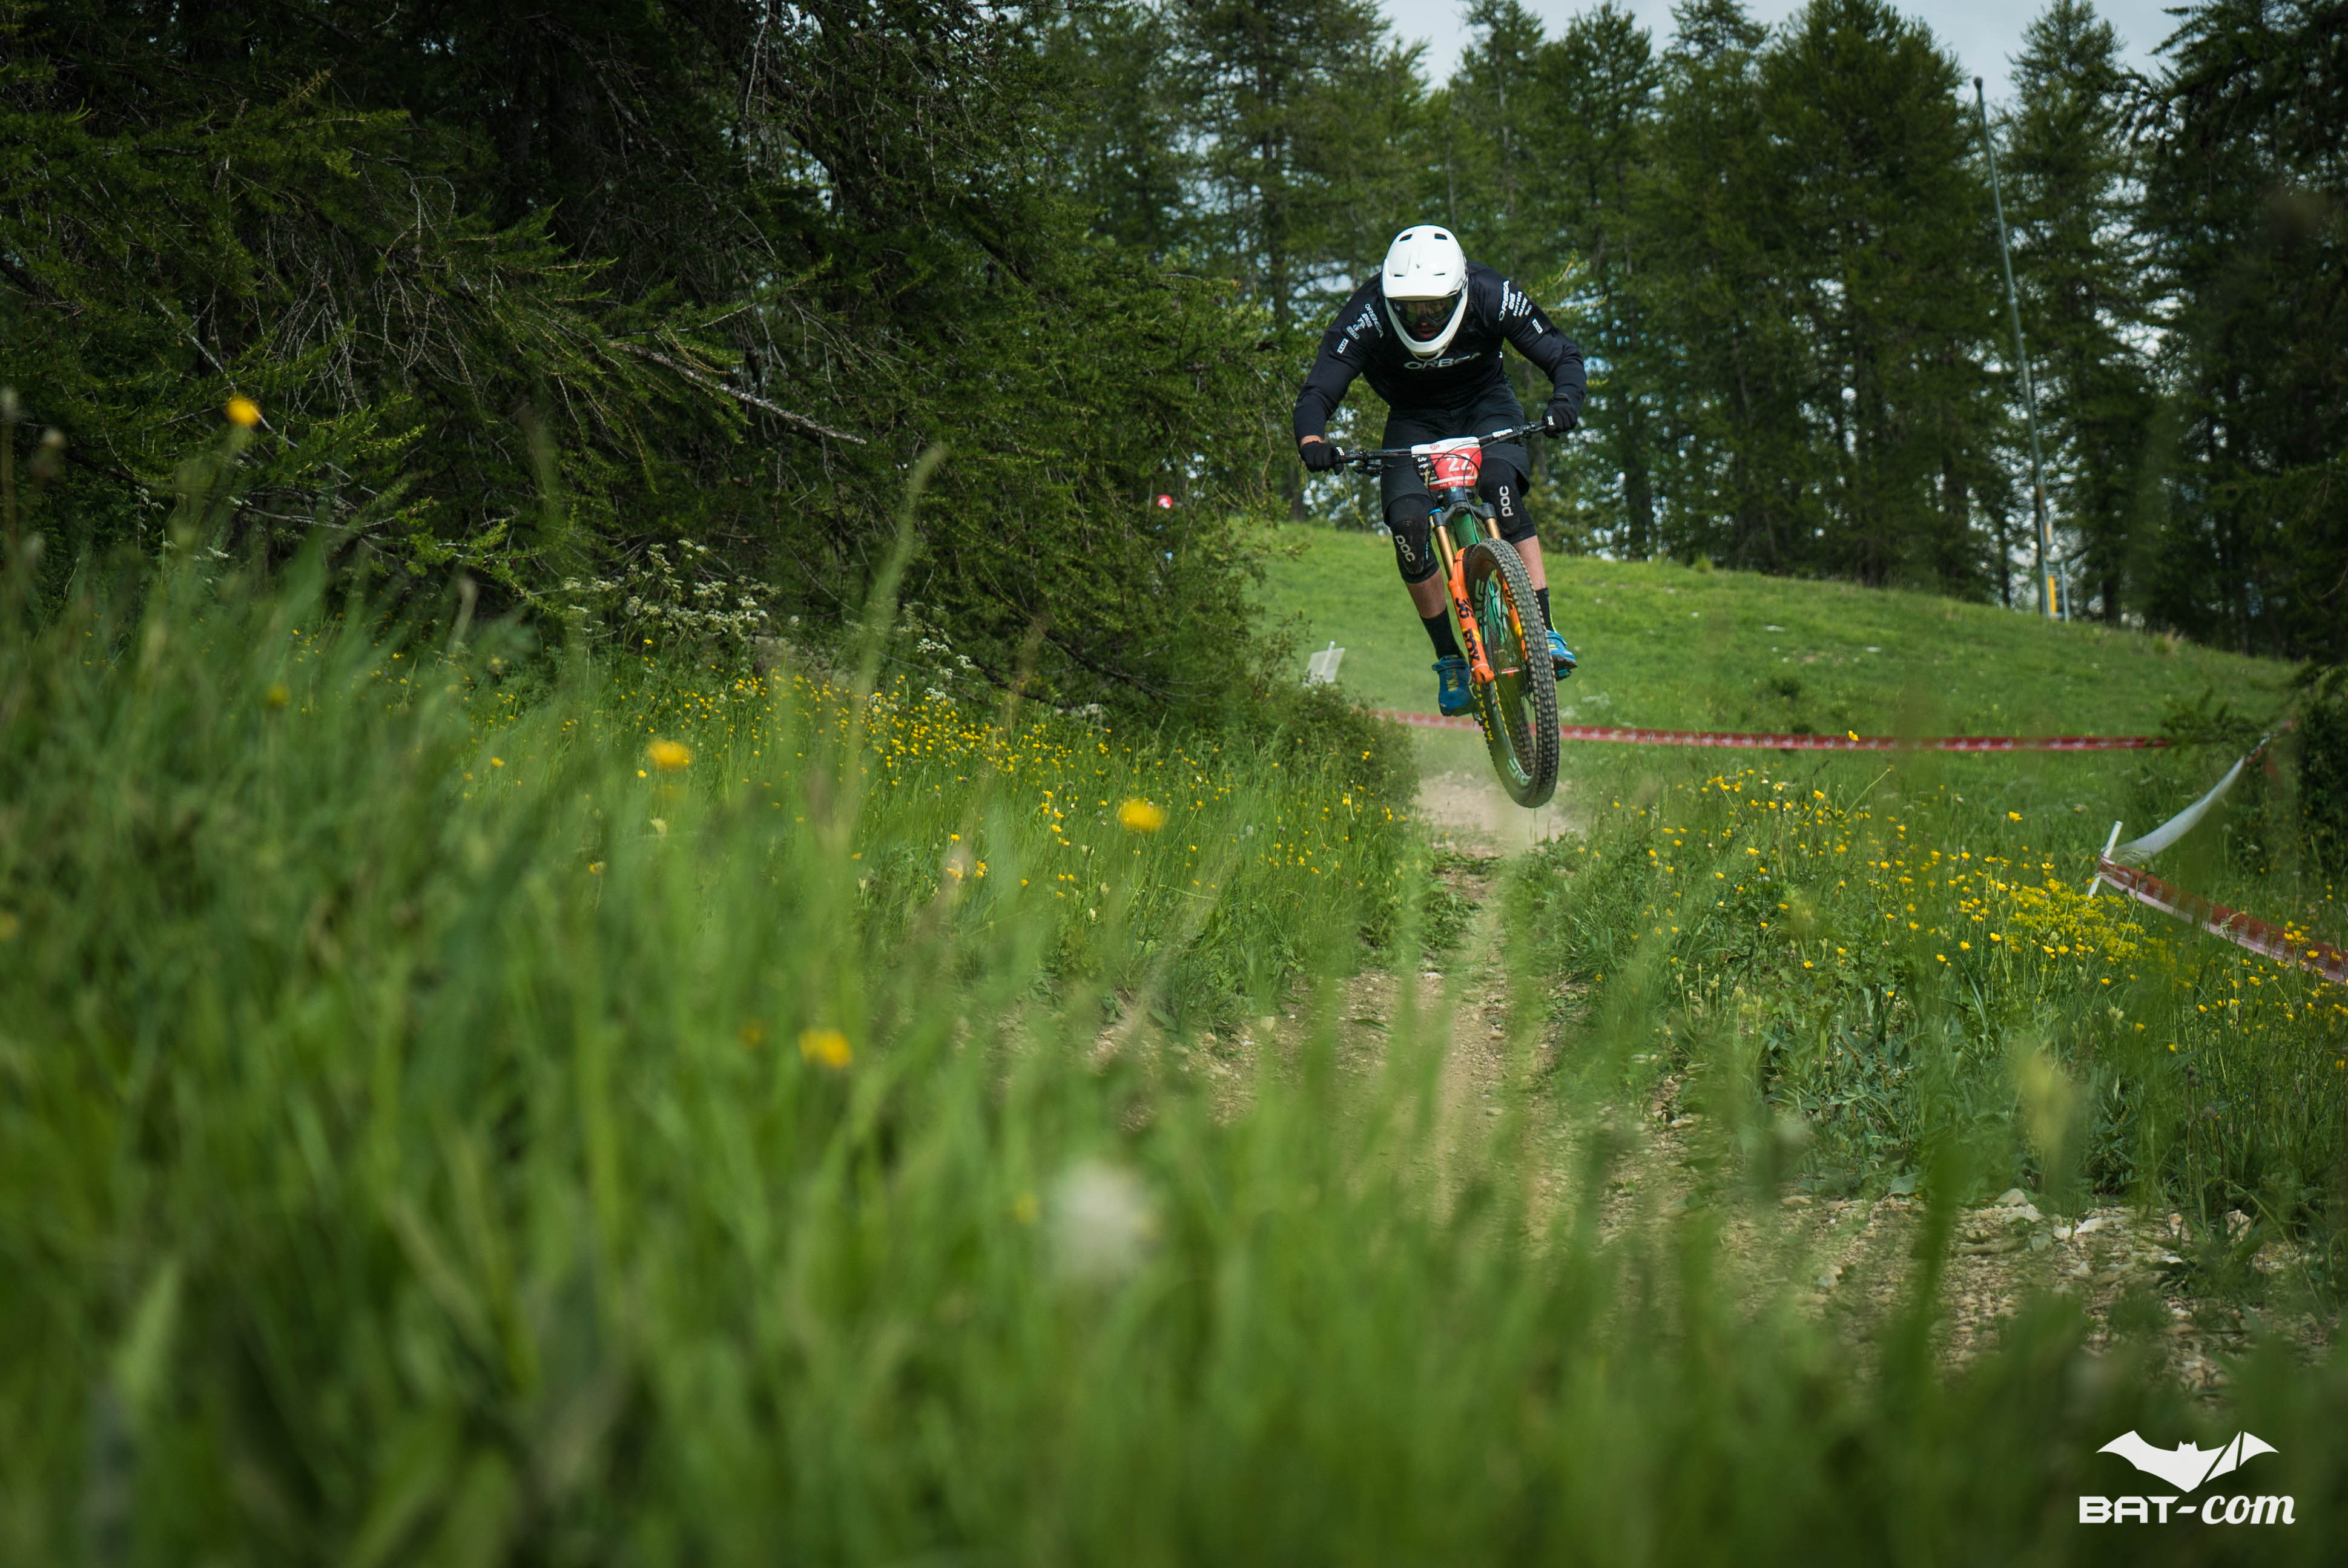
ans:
(1666, 646)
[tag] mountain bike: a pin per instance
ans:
(1511, 684)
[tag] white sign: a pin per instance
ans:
(1321, 669)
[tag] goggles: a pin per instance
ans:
(1423, 318)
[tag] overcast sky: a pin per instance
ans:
(1983, 32)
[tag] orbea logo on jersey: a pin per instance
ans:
(1448, 359)
(2187, 1467)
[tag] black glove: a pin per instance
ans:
(1319, 456)
(1560, 419)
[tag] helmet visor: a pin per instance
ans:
(1424, 318)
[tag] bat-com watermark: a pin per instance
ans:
(2187, 1467)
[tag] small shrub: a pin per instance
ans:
(1317, 725)
(2323, 768)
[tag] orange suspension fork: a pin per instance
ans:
(1454, 575)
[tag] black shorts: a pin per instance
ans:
(1409, 503)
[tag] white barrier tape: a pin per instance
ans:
(2182, 823)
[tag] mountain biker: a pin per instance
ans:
(1427, 331)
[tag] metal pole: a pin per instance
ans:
(2021, 361)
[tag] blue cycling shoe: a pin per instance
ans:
(1560, 655)
(1451, 686)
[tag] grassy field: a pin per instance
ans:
(1664, 646)
(462, 1102)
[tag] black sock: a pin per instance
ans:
(1542, 594)
(1438, 631)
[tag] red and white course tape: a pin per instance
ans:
(1844, 742)
(2241, 930)
(2246, 931)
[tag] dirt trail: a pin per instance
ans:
(1475, 1058)
(1851, 1258)
(1468, 808)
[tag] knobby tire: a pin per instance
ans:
(1517, 709)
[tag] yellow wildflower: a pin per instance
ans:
(828, 1046)
(1142, 816)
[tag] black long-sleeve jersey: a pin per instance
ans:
(1363, 342)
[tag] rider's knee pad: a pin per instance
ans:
(1504, 489)
(1414, 539)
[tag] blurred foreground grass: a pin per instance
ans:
(436, 1128)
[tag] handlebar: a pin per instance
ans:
(1498, 438)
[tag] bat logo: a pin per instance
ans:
(2185, 1466)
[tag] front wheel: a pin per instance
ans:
(1518, 707)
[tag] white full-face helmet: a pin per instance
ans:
(1426, 285)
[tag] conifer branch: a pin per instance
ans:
(798, 422)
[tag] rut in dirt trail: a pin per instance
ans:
(1852, 1259)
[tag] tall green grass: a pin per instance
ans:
(430, 1130)
(1904, 954)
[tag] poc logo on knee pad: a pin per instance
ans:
(1413, 551)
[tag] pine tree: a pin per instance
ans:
(1884, 216)
(1601, 81)
(1547, 141)
(1125, 132)
(1739, 464)
(1301, 108)
(2246, 204)
(1495, 158)
(2080, 268)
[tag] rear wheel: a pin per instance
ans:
(1518, 707)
